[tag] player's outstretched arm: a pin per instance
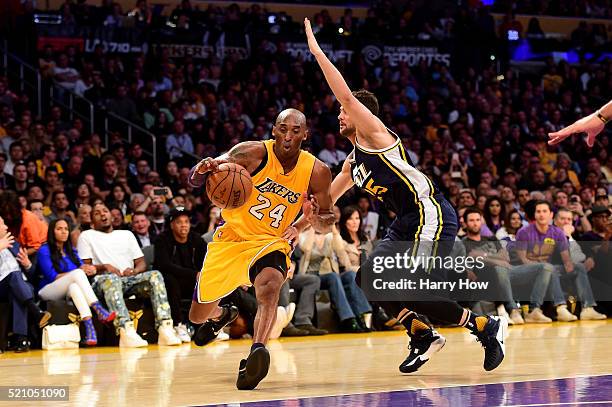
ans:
(247, 154)
(363, 119)
(592, 125)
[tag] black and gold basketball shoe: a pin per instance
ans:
(208, 331)
(423, 345)
(253, 369)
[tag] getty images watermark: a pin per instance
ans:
(433, 271)
(404, 271)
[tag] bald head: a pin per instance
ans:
(287, 114)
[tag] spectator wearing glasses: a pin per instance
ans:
(179, 255)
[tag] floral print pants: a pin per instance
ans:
(114, 288)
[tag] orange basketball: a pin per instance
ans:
(230, 186)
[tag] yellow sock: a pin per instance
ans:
(418, 326)
(481, 322)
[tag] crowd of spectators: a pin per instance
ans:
(480, 134)
(569, 8)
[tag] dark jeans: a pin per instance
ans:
(15, 289)
(178, 289)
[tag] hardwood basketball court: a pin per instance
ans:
(361, 369)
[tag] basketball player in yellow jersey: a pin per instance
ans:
(253, 246)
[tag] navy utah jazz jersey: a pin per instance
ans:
(390, 176)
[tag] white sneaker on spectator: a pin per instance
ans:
(280, 323)
(536, 316)
(589, 314)
(501, 312)
(167, 335)
(564, 315)
(182, 333)
(128, 338)
(290, 311)
(516, 317)
(223, 336)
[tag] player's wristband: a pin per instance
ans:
(603, 118)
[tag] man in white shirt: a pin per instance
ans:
(121, 270)
(64, 75)
(330, 155)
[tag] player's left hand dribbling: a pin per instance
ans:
(209, 165)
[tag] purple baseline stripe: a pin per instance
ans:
(551, 392)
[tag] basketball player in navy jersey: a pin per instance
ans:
(379, 164)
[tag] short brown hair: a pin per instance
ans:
(368, 99)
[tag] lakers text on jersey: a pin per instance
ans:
(255, 229)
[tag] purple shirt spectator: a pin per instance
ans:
(540, 246)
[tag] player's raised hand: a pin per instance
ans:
(209, 164)
(312, 41)
(591, 125)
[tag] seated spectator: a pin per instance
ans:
(496, 257)
(357, 243)
(31, 232)
(15, 289)
(306, 287)
(179, 144)
(83, 223)
(370, 218)
(117, 219)
(330, 155)
(536, 243)
(59, 208)
(494, 214)
(118, 198)
(121, 270)
(318, 258)
(512, 224)
(37, 207)
(20, 178)
(48, 159)
(179, 255)
(146, 235)
(65, 276)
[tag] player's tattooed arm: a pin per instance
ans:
(248, 154)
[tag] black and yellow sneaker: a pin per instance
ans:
(423, 345)
(208, 331)
(253, 369)
(493, 338)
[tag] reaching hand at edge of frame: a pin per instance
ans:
(592, 125)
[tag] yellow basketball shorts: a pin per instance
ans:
(229, 259)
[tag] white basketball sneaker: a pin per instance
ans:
(128, 338)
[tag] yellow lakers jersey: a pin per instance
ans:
(276, 198)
